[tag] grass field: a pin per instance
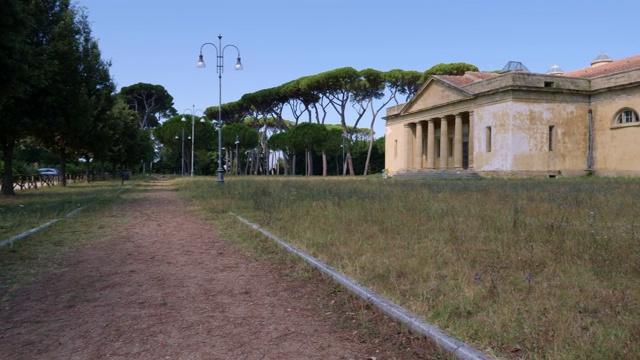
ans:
(540, 269)
(531, 269)
(32, 208)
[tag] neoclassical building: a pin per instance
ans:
(519, 124)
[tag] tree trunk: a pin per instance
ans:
(366, 164)
(284, 161)
(293, 165)
(309, 155)
(7, 178)
(63, 160)
(246, 166)
(350, 163)
(324, 163)
(87, 168)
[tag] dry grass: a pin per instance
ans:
(544, 269)
(25, 261)
(31, 208)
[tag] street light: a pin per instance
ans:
(219, 70)
(182, 160)
(237, 162)
(342, 146)
(193, 134)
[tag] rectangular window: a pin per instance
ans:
(549, 84)
(395, 150)
(552, 129)
(438, 148)
(488, 144)
(450, 147)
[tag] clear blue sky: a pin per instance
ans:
(158, 42)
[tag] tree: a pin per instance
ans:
(308, 137)
(282, 142)
(372, 87)
(150, 102)
(26, 41)
(247, 137)
(337, 87)
(78, 84)
(401, 82)
(458, 68)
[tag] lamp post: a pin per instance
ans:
(237, 162)
(219, 70)
(342, 146)
(193, 134)
(182, 159)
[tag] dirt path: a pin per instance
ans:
(165, 286)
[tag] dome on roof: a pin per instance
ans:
(601, 59)
(514, 66)
(555, 70)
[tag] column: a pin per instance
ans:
(417, 146)
(444, 143)
(457, 143)
(431, 145)
(471, 139)
(408, 140)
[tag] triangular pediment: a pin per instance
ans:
(435, 93)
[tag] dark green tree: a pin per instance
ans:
(27, 38)
(150, 102)
(308, 137)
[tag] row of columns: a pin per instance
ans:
(415, 144)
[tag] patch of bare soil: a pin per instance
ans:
(166, 286)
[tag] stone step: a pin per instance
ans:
(437, 174)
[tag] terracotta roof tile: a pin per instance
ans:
(615, 66)
(469, 77)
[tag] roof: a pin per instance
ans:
(605, 68)
(466, 79)
(632, 62)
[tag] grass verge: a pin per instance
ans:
(530, 269)
(25, 261)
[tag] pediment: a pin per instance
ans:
(435, 93)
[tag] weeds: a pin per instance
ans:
(520, 268)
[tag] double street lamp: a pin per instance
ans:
(219, 70)
(193, 134)
(237, 162)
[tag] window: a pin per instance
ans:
(627, 116)
(488, 144)
(395, 150)
(549, 84)
(552, 129)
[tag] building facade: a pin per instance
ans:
(522, 124)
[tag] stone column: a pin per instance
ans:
(408, 140)
(444, 143)
(417, 146)
(471, 140)
(457, 143)
(431, 145)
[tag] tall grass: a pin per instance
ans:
(540, 269)
(32, 208)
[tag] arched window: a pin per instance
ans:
(626, 116)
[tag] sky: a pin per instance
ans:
(158, 42)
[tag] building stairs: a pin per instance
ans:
(436, 174)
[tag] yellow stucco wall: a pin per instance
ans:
(616, 147)
(395, 148)
(520, 137)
